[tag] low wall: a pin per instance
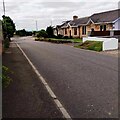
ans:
(108, 43)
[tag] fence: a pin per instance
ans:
(105, 33)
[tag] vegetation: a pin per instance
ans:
(49, 32)
(5, 76)
(42, 33)
(49, 36)
(54, 40)
(91, 45)
(8, 29)
(23, 33)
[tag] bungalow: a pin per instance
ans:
(81, 27)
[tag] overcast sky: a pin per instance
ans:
(25, 13)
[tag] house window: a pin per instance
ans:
(75, 31)
(65, 30)
(84, 30)
(102, 27)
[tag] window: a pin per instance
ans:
(65, 30)
(75, 31)
(84, 30)
(102, 27)
(92, 29)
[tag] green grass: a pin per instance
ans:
(76, 40)
(73, 40)
(91, 45)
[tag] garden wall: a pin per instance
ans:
(108, 43)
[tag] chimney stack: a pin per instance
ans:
(75, 17)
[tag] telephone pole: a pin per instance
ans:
(36, 26)
(4, 7)
(51, 22)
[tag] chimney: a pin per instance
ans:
(75, 17)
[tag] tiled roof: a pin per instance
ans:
(79, 21)
(108, 16)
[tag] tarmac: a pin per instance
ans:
(25, 97)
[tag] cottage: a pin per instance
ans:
(81, 27)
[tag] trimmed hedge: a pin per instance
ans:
(53, 40)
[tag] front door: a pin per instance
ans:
(70, 33)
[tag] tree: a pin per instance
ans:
(8, 26)
(42, 33)
(49, 31)
(21, 32)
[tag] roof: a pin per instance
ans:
(79, 21)
(108, 16)
(75, 23)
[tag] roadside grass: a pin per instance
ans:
(91, 45)
(72, 40)
(75, 40)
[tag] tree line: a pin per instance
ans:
(9, 30)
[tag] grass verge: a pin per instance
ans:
(91, 45)
(76, 40)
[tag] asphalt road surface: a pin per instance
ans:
(85, 82)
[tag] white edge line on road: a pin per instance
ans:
(52, 94)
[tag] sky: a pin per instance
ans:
(25, 13)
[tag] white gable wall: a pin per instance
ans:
(117, 25)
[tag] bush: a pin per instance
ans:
(42, 33)
(59, 36)
(6, 43)
(65, 37)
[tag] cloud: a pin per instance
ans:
(25, 12)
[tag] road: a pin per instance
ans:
(85, 82)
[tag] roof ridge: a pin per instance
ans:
(105, 12)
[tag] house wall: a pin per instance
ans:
(64, 31)
(55, 32)
(96, 27)
(117, 25)
(72, 32)
(78, 33)
(60, 31)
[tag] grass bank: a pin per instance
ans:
(91, 45)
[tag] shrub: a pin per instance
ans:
(65, 37)
(42, 33)
(59, 36)
(6, 43)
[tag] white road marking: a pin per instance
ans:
(52, 94)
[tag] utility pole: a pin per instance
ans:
(51, 22)
(4, 6)
(36, 26)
